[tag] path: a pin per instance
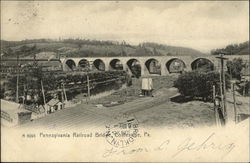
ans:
(92, 116)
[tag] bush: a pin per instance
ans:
(198, 84)
(234, 67)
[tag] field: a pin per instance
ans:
(154, 111)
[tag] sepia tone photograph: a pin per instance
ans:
(130, 81)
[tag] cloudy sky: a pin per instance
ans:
(200, 25)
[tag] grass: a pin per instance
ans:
(160, 110)
(183, 115)
(157, 111)
(131, 93)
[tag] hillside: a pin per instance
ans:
(88, 48)
(161, 49)
(234, 49)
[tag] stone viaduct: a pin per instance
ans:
(163, 62)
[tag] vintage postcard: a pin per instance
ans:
(125, 81)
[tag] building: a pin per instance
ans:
(13, 114)
(53, 105)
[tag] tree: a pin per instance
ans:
(199, 84)
(136, 70)
(79, 45)
(2, 92)
(203, 65)
(9, 51)
(155, 52)
(233, 49)
(234, 67)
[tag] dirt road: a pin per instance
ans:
(149, 111)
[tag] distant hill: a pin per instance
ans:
(161, 49)
(233, 49)
(88, 48)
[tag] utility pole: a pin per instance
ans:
(89, 65)
(17, 80)
(65, 95)
(88, 87)
(221, 93)
(223, 85)
(235, 110)
(62, 96)
(24, 96)
(215, 108)
(244, 88)
(44, 101)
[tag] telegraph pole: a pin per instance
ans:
(44, 100)
(64, 91)
(216, 117)
(88, 85)
(62, 96)
(17, 79)
(235, 110)
(223, 85)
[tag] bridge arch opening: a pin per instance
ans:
(153, 66)
(99, 65)
(202, 64)
(116, 64)
(83, 63)
(175, 65)
(71, 64)
(135, 67)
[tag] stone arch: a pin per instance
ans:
(175, 65)
(116, 64)
(202, 63)
(153, 66)
(134, 67)
(99, 64)
(70, 64)
(84, 63)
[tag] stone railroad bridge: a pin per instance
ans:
(146, 63)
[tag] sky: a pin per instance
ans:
(202, 25)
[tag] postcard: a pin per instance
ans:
(125, 81)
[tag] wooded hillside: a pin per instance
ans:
(89, 48)
(234, 49)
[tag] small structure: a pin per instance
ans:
(13, 114)
(147, 86)
(53, 105)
